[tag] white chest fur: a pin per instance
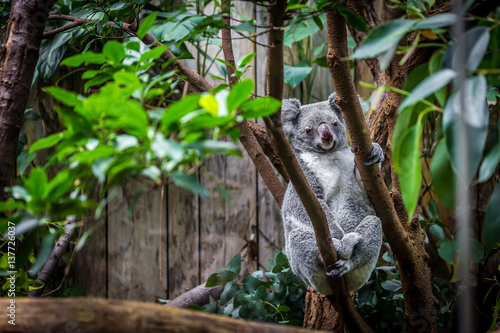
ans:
(334, 171)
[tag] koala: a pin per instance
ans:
(317, 133)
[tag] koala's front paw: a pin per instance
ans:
(376, 156)
(340, 268)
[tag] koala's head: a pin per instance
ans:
(319, 127)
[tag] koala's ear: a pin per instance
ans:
(290, 110)
(334, 106)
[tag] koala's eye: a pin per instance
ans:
(309, 130)
(335, 124)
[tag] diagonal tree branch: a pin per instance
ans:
(248, 139)
(407, 245)
(274, 69)
(55, 256)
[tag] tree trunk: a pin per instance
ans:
(19, 56)
(321, 315)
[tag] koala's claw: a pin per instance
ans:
(339, 268)
(376, 156)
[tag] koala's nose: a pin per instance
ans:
(325, 133)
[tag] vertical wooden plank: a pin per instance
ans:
(183, 252)
(134, 243)
(212, 218)
(90, 268)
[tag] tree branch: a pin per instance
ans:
(247, 138)
(56, 254)
(199, 295)
(274, 69)
(407, 246)
(260, 134)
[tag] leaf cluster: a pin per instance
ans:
(273, 296)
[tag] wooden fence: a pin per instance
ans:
(174, 240)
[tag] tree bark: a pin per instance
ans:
(406, 242)
(102, 315)
(197, 296)
(19, 56)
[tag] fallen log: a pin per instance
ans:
(103, 315)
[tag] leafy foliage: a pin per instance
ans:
(127, 129)
(434, 100)
(273, 296)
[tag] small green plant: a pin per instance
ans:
(273, 296)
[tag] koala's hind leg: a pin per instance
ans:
(365, 253)
(345, 247)
(305, 260)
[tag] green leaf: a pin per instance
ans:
(409, 169)
(476, 115)
(301, 30)
(491, 230)
(146, 24)
(491, 157)
(44, 253)
(391, 285)
(179, 109)
(295, 75)
(436, 21)
(59, 185)
(24, 160)
(383, 38)
(235, 264)
(114, 51)
(318, 22)
(20, 193)
(88, 57)
(189, 182)
(429, 86)
(435, 64)
(25, 248)
(355, 21)
(447, 250)
(477, 251)
(125, 141)
(443, 176)
(473, 44)
(212, 146)
(163, 147)
(154, 53)
(410, 173)
(245, 60)
(224, 276)
(260, 107)
(65, 96)
(209, 103)
(250, 283)
(36, 183)
(437, 231)
(239, 94)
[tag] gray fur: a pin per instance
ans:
(328, 164)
